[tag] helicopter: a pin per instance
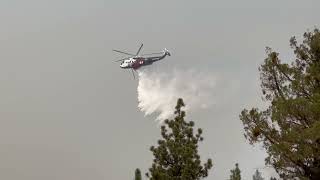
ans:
(135, 61)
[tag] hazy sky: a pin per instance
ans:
(69, 112)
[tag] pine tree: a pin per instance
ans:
(137, 174)
(257, 176)
(176, 157)
(235, 173)
(290, 127)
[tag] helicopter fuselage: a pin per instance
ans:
(137, 62)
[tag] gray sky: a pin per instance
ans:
(69, 112)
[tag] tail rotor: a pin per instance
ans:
(166, 52)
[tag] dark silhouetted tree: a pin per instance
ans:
(176, 157)
(235, 173)
(137, 174)
(290, 127)
(257, 176)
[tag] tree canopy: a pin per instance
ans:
(137, 174)
(235, 173)
(257, 176)
(290, 127)
(176, 156)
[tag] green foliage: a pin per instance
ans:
(137, 174)
(290, 127)
(176, 157)
(257, 176)
(235, 173)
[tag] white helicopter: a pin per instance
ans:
(135, 61)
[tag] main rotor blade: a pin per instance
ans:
(139, 49)
(123, 52)
(150, 54)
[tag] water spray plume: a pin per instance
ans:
(158, 92)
